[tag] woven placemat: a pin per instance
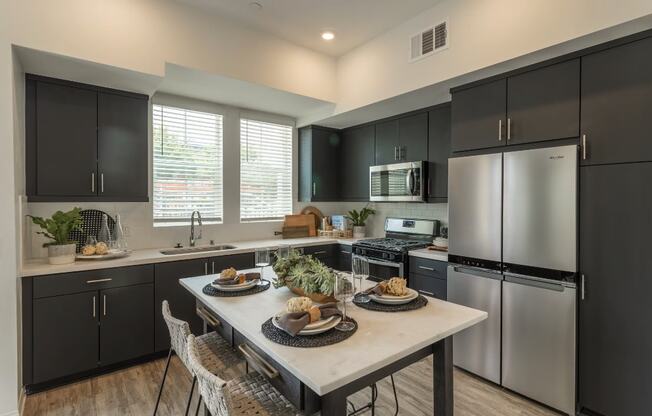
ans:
(210, 290)
(417, 303)
(332, 336)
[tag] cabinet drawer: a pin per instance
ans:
(63, 284)
(320, 252)
(428, 286)
(215, 322)
(430, 268)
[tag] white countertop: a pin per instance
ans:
(382, 338)
(39, 267)
(429, 254)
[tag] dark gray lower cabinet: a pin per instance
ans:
(65, 335)
(326, 253)
(615, 339)
(344, 257)
(428, 277)
(126, 323)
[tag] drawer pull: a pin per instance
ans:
(104, 306)
(319, 252)
(94, 307)
(99, 280)
(257, 362)
(207, 317)
(430, 269)
(425, 292)
(346, 252)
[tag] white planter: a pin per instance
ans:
(62, 254)
(359, 231)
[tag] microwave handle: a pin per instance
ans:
(409, 181)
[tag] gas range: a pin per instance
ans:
(393, 249)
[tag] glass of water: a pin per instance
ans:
(263, 259)
(344, 292)
(360, 270)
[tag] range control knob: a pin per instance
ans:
(385, 255)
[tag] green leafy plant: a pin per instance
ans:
(304, 272)
(59, 226)
(359, 218)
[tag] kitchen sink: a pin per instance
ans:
(186, 250)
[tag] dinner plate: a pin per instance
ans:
(238, 287)
(112, 254)
(395, 300)
(314, 328)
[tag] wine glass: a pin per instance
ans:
(360, 269)
(262, 259)
(344, 292)
(283, 252)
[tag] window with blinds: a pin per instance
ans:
(187, 165)
(265, 171)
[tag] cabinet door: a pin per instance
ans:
(616, 102)
(614, 336)
(65, 335)
(345, 256)
(237, 261)
(126, 323)
(413, 137)
(325, 165)
(182, 303)
(123, 147)
(357, 157)
(478, 116)
(66, 140)
(544, 104)
(439, 149)
(387, 141)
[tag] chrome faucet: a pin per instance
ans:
(194, 239)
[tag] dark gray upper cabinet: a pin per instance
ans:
(126, 323)
(616, 103)
(84, 143)
(544, 104)
(403, 139)
(439, 149)
(64, 141)
(65, 335)
(319, 154)
(357, 156)
(478, 116)
(614, 316)
(123, 147)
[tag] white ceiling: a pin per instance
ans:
(301, 21)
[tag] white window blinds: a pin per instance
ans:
(187, 164)
(265, 170)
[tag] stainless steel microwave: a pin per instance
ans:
(397, 182)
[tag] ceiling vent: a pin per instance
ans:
(429, 41)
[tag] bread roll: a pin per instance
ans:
(88, 250)
(229, 273)
(300, 304)
(315, 314)
(397, 286)
(101, 248)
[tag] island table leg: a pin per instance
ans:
(334, 404)
(442, 365)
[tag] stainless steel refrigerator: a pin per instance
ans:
(513, 253)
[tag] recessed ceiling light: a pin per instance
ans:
(328, 35)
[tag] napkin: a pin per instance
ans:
(228, 281)
(376, 290)
(294, 322)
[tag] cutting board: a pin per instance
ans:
(307, 220)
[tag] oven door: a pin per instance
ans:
(397, 182)
(380, 270)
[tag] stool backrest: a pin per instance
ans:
(211, 387)
(179, 331)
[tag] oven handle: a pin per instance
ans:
(384, 263)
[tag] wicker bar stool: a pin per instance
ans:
(247, 395)
(216, 353)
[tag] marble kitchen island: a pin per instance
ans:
(322, 378)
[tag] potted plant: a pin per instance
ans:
(359, 220)
(305, 276)
(60, 250)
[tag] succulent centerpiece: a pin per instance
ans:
(305, 276)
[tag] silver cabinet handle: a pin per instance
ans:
(583, 291)
(108, 279)
(104, 305)
(584, 147)
(509, 129)
(258, 362)
(92, 182)
(101, 183)
(319, 252)
(500, 130)
(207, 317)
(427, 268)
(345, 252)
(395, 152)
(314, 188)
(206, 268)
(94, 307)
(427, 293)
(212, 267)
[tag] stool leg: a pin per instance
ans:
(395, 395)
(192, 388)
(165, 374)
(198, 406)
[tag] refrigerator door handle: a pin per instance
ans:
(538, 282)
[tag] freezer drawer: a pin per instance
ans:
(539, 341)
(477, 349)
(474, 206)
(540, 208)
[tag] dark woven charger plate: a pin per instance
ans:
(332, 336)
(417, 303)
(213, 291)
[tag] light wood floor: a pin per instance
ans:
(133, 391)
